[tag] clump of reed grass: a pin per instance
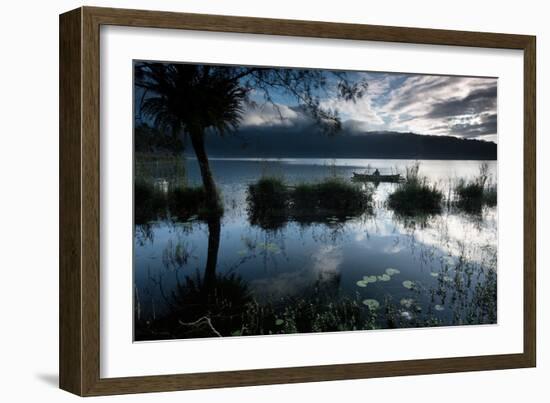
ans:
(268, 203)
(152, 203)
(269, 193)
(490, 196)
(271, 202)
(149, 203)
(331, 195)
(415, 196)
(473, 195)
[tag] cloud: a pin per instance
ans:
(268, 115)
(443, 105)
(476, 102)
(361, 113)
(425, 104)
(487, 125)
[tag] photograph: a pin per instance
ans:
(291, 200)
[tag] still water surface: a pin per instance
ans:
(445, 256)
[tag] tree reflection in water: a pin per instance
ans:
(214, 305)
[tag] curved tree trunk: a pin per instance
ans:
(214, 210)
(212, 199)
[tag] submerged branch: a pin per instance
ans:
(199, 321)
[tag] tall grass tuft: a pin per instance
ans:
(269, 193)
(271, 202)
(332, 195)
(415, 196)
(152, 203)
(472, 195)
(268, 203)
(149, 203)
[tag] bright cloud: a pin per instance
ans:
(424, 104)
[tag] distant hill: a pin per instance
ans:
(281, 142)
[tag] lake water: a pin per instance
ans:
(443, 267)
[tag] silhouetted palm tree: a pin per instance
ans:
(191, 99)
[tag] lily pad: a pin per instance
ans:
(372, 304)
(383, 277)
(406, 315)
(361, 283)
(390, 271)
(279, 322)
(439, 308)
(408, 284)
(434, 274)
(447, 278)
(369, 279)
(407, 302)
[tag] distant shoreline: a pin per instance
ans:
(398, 146)
(275, 159)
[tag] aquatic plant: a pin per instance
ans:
(367, 279)
(178, 202)
(272, 202)
(387, 276)
(332, 196)
(409, 284)
(407, 302)
(415, 196)
(270, 194)
(390, 271)
(268, 202)
(406, 315)
(372, 304)
(370, 279)
(490, 195)
(469, 196)
(474, 194)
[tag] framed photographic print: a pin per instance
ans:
(249, 201)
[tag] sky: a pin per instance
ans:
(464, 107)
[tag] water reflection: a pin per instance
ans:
(240, 274)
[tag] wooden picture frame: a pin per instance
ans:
(79, 201)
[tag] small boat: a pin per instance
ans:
(376, 177)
